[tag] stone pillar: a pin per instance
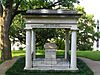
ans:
(73, 51)
(28, 63)
(66, 42)
(33, 44)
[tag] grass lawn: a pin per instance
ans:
(94, 55)
(17, 69)
(0, 59)
(1, 62)
(15, 54)
(18, 53)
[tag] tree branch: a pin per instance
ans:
(19, 12)
(9, 4)
(17, 5)
(54, 4)
(30, 4)
(15, 10)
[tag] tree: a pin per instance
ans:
(1, 9)
(86, 34)
(17, 29)
(15, 7)
(50, 35)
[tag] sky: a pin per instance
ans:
(91, 7)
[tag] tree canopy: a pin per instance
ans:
(86, 34)
(14, 24)
(15, 7)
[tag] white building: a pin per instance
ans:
(17, 45)
(96, 46)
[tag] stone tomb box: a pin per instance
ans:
(50, 53)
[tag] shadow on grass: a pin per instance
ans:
(18, 69)
(1, 62)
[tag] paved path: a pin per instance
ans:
(94, 65)
(6, 65)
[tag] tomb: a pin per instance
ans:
(46, 18)
(50, 53)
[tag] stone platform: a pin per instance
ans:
(42, 64)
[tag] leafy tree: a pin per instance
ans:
(86, 34)
(17, 29)
(50, 35)
(15, 7)
(43, 34)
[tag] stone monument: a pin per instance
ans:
(47, 18)
(50, 53)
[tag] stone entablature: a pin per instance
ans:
(45, 18)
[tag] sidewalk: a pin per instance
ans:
(6, 65)
(94, 65)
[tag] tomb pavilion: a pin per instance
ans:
(46, 18)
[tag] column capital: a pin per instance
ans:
(74, 29)
(28, 28)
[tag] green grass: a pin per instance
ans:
(94, 55)
(1, 62)
(17, 69)
(15, 54)
(18, 53)
(0, 59)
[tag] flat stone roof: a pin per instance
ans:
(51, 12)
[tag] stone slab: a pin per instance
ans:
(50, 46)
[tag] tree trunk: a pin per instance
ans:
(6, 51)
(1, 31)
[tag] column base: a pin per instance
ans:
(27, 68)
(74, 69)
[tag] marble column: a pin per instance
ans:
(73, 65)
(33, 44)
(66, 42)
(28, 63)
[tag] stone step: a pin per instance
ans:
(50, 67)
